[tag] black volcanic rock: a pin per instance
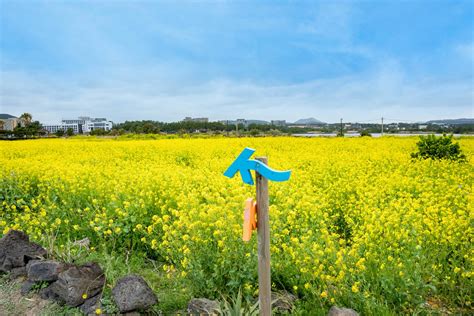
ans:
(76, 281)
(133, 293)
(16, 250)
(45, 270)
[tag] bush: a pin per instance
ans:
(441, 147)
(365, 133)
(254, 132)
(98, 132)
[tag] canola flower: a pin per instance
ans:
(357, 219)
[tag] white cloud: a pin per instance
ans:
(142, 94)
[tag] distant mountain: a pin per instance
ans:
(6, 116)
(309, 121)
(453, 122)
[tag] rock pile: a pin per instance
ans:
(81, 285)
(74, 285)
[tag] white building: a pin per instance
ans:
(8, 122)
(97, 123)
(81, 125)
(53, 128)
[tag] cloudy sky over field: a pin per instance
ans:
(134, 60)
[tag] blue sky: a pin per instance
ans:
(133, 60)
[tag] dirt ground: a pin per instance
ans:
(13, 303)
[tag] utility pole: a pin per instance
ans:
(382, 125)
(341, 128)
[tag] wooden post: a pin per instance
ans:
(263, 230)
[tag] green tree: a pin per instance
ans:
(254, 132)
(99, 132)
(35, 129)
(443, 147)
(26, 119)
(69, 132)
(59, 133)
(29, 130)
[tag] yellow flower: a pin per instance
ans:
(84, 296)
(355, 287)
(164, 197)
(98, 311)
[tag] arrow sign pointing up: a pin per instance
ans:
(244, 165)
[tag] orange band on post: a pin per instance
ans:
(250, 222)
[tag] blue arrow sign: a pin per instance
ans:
(244, 165)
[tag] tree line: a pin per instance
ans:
(27, 128)
(154, 127)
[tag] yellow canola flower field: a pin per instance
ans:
(358, 221)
